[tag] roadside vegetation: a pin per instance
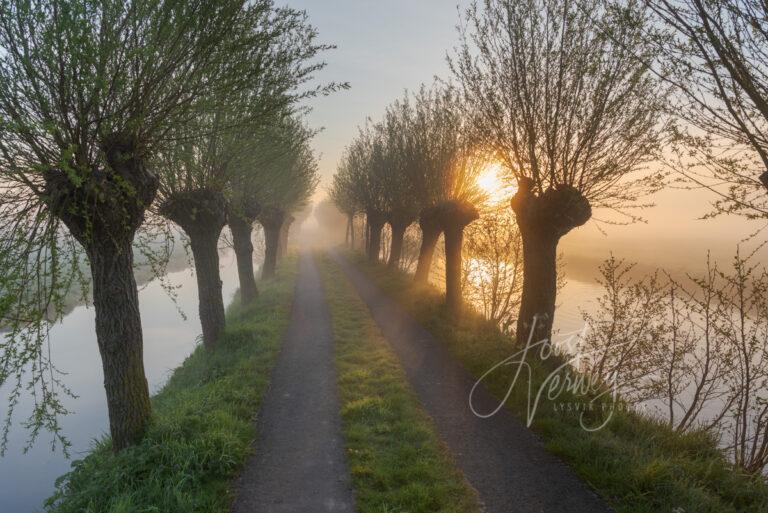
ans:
(396, 458)
(637, 464)
(203, 424)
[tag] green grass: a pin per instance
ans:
(637, 464)
(397, 461)
(203, 423)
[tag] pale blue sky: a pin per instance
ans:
(384, 47)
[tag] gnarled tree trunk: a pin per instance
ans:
(282, 248)
(241, 240)
(543, 219)
(271, 219)
(350, 234)
(202, 214)
(103, 214)
(375, 225)
(454, 215)
(430, 233)
(398, 224)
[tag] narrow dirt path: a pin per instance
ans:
(501, 458)
(300, 464)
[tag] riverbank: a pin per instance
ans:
(203, 428)
(635, 463)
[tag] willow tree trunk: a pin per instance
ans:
(120, 340)
(396, 250)
(453, 216)
(202, 214)
(374, 244)
(430, 233)
(282, 248)
(205, 250)
(103, 213)
(543, 219)
(454, 237)
(271, 219)
(375, 221)
(349, 237)
(271, 241)
(537, 305)
(241, 240)
(352, 231)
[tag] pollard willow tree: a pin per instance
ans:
(447, 161)
(196, 170)
(244, 206)
(715, 54)
(256, 185)
(88, 91)
(418, 161)
(571, 110)
(288, 189)
(341, 196)
(396, 170)
(365, 186)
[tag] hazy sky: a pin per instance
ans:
(387, 46)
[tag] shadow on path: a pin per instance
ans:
(500, 457)
(300, 464)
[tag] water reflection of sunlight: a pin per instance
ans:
(492, 183)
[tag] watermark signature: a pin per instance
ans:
(585, 395)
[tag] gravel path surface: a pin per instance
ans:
(300, 464)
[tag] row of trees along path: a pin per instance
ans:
(118, 120)
(573, 131)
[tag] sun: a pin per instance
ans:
(493, 185)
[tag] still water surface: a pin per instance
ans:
(26, 480)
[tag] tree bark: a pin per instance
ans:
(271, 219)
(271, 239)
(282, 248)
(454, 237)
(103, 214)
(205, 250)
(375, 222)
(202, 214)
(374, 248)
(453, 216)
(350, 231)
(539, 286)
(241, 240)
(120, 340)
(543, 219)
(396, 250)
(430, 233)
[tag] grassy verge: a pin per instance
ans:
(203, 425)
(397, 461)
(637, 464)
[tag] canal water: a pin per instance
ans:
(26, 480)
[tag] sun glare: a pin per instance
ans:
(491, 182)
